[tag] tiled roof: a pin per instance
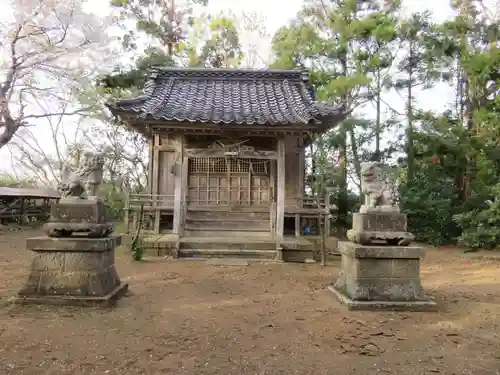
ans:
(28, 192)
(230, 96)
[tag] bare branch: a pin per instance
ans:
(47, 44)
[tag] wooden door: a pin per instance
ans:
(230, 182)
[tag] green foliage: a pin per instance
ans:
(356, 51)
(134, 78)
(220, 49)
(429, 202)
(115, 200)
(137, 249)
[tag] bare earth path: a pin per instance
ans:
(188, 317)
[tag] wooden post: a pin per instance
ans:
(178, 183)
(301, 172)
(272, 195)
(280, 199)
(151, 147)
(154, 182)
(126, 218)
(184, 205)
(22, 218)
(297, 224)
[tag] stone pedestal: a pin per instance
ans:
(386, 227)
(73, 215)
(72, 271)
(381, 278)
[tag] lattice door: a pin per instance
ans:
(231, 181)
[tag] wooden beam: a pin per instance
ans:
(257, 154)
(179, 185)
(280, 199)
(165, 148)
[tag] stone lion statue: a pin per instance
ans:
(378, 196)
(86, 178)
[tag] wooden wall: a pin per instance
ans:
(167, 150)
(294, 169)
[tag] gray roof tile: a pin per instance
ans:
(230, 96)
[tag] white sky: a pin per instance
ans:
(278, 13)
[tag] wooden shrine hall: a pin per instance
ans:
(227, 160)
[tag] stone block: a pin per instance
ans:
(78, 215)
(72, 244)
(49, 261)
(379, 222)
(72, 270)
(356, 251)
(377, 274)
(90, 261)
(78, 211)
(388, 227)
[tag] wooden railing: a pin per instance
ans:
(313, 204)
(150, 201)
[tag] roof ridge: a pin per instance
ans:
(223, 73)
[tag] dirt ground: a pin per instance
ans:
(188, 317)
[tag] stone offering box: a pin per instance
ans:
(381, 278)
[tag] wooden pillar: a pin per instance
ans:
(151, 151)
(301, 172)
(280, 196)
(272, 194)
(154, 182)
(184, 206)
(297, 225)
(126, 217)
(178, 183)
(280, 199)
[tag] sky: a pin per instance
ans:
(278, 13)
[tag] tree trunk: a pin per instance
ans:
(377, 156)
(8, 126)
(343, 193)
(355, 156)
(410, 152)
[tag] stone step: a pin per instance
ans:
(227, 243)
(227, 253)
(228, 226)
(221, 232)
(226, 215)
(225, 219)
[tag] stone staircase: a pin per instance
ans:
(227, 234)
(213, 223)
(229, 246)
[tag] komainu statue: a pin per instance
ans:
(379, 220)
(80, 210)
(86, 178)
(378, 197)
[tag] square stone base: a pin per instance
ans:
(386, 227)
(108, 300)
(72, 271)
(374, 275)
(78, 216)
(414, 306)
